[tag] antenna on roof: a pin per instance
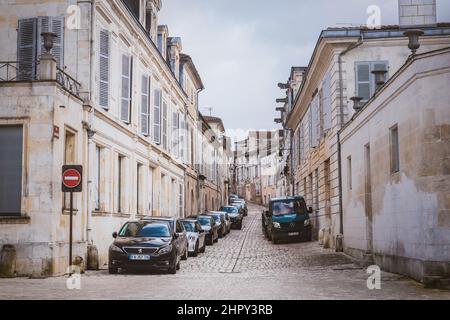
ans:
(210, 110)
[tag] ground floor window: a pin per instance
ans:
(11, 155)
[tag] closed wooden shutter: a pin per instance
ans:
(157, 117)
(164, 125)
(26, 49)
(104, 63)
(175, 134)
(363, 85)
(125, 101)
(145, 105)
(327, 111)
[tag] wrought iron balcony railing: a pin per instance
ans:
(11, 71)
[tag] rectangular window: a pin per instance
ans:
(176, 134)
(326, 103)
(104, 65)
(139, 183)
(181, 202)
(30, 44)
(11, 146)
(164, 125)
(349, 175)
(145, 105)
(365, 80)
(125, 105)
(395, 150)
(157, 116)
(97, 177)
(120, 183)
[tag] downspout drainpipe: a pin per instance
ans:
(341, 118)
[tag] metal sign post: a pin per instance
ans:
(72, 181)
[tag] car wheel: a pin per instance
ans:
(274, 240)
(204, 248)
(113, 270)
(196, 249)
(185, 255)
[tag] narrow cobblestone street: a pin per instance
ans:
(242, 266)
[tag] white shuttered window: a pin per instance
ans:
(157, 116)
(125, 101)
(104, 62)
(145, 105)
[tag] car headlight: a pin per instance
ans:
(307, 222)
(276, 225)
(115, 248)
(165, 250)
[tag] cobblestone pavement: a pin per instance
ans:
(241, 266)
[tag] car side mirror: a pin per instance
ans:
(115, 235)
(310, 210)
(175, 236)
(267, 214)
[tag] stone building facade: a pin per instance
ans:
(117, 99)
(396, 172)
(340, 69)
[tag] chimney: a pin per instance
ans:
(417, 12)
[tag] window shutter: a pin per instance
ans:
(157, 117)
(126, 89)
(164, 125)
(175, 134)
(145, 89)
(363, 80)
(104, 68)
(26, 49)
(315, 122)
(55, 25)
(327, 111)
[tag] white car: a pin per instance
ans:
(196, 236)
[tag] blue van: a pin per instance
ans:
(287, 218)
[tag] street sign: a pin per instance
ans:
(72, 179)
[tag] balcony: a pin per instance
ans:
(15, 71)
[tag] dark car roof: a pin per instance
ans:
(286, 198)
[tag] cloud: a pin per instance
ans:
(242, 49)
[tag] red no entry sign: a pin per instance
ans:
(72, 178)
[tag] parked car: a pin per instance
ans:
(144, 245)
(241, 206)
(196, 236)
(227, 219)
(178, 228)
(236, 217)
(208, 225)
(220, 223)
(287, 218)
(232, 197)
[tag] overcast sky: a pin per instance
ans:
(243, 48)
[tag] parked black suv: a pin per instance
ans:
(235, 215)
(144, 245)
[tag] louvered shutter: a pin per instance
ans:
(326, 94)
(176, 134)
(26, 49)
(363, 83)
(104, 68)
(55, 25)
(145, 89)
(126, 89)
(157, 117)
(164, 125)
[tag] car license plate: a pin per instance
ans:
(139, 257)
(293, 234)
